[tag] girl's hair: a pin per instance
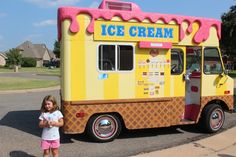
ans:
(53, 100)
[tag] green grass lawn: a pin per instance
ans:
(232, 74)
(10, 83)
(16, 83)
(44, 70)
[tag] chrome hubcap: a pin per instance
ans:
(216, 120)
(105, 127)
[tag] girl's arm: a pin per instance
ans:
(59, 123)
(43, 124)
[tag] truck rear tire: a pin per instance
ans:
(213, 118)
(104, 127)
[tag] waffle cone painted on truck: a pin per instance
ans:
(149, 69)
(135, 114)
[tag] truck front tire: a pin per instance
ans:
(213, 118)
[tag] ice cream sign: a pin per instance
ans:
(123, 31)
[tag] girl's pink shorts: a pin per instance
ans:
(46, 144)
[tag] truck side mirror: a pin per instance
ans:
(186, 76)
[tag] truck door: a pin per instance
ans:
(177, 84)
(213, 80)
(193, 83)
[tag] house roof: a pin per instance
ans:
(3, 55)
(52, 55)
(28, 49)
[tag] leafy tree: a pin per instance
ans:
(56, 49)
(14, 57)
(228, 40)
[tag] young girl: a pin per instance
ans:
(50, 120)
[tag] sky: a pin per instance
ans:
(36, 20)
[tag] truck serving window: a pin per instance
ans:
(212, 62)
(177, 58)
(115, 58)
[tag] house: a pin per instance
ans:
(36, 51)
(3, 58)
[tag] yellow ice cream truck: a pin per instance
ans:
(122, 67)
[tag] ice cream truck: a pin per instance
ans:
(125, 68)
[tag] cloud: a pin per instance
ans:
(94, 4)
(3, 15)
(52, 3)
(33, 36)
(45, 23)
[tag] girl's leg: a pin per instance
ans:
(46, 152)
(55, 152)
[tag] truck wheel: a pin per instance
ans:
(104, 128)
(213, 118)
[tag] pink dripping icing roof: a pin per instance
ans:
(102, 12)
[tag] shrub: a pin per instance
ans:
(28, 62)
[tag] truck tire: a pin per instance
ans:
(104, 128)
(213, 118)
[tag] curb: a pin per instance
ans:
(30, 90)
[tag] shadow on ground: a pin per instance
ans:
(19, 154)
(225, 155)
(26, 121)
(129, 134)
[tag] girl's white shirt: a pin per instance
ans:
(51, 133)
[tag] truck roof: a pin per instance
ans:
(129, 11)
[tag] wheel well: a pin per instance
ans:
(219, 102)
(216, 101)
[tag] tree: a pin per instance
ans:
(228, 40)
(29, 62)
(56, 49)
(14, 58)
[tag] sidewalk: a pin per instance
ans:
(220, 145)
